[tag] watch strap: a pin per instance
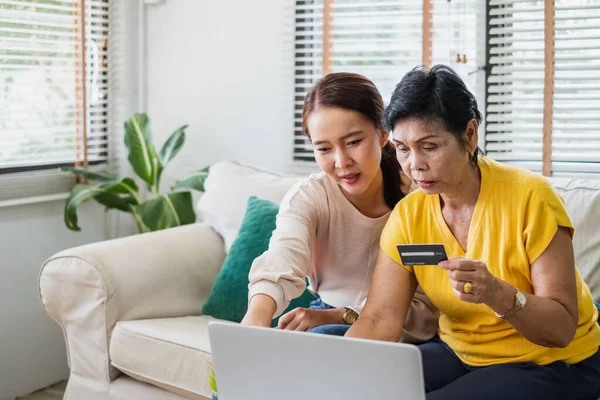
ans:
(516, 307)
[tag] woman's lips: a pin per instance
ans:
(426, 184)
(350, 178)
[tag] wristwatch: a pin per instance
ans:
(350, 316)
(520, 301)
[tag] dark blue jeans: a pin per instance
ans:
(446, 377)
(331, 329)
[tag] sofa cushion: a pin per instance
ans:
(229, 297)
(172, 353)
(227, 188)
(583, 204)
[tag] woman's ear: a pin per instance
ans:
(384, 137)
(472, 135)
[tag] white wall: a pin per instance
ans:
(32, 349)
(219, 67)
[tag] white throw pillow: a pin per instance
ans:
(583, 204)
(227, 189)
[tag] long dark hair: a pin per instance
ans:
(356, 93)
(438, 95)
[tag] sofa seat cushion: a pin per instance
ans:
(172, 353)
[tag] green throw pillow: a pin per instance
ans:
(229, 297)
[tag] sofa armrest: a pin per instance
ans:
(88, 289)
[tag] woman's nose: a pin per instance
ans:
(341, 159)
(416, 161)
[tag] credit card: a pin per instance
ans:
(422, 254)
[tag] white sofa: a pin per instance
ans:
(130, 308)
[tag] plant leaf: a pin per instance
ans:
(157, 171)
(167, 211)
(139, 143)
(79, 194)
(125, 186)
(111, 200)
(106, 193)
(194, 181)
(172, 146)
(91, 175)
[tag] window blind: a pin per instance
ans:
(308, 65)
(55, 104)
(515, 111)
(383, 40)
(576, 116)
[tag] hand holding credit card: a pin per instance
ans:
(422, 254)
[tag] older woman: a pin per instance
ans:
(517, 321)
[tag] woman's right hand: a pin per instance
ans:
(260, 311)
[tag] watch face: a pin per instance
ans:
(521, 298)
(350, 317)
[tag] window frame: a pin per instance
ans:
(29, 164)
(32, 184)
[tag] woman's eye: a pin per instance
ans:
(354, 142)
(402, 150)
(429, 148)
(323, 149)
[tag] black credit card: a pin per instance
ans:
(422, 254)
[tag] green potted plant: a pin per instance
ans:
(155, 210)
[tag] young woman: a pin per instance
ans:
(328, 226)
(517, 321)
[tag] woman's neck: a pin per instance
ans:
(371, 203)
(465, 192)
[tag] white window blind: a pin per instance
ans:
(55, 88)
(516, 83)
(515, 112)
(382, 40)
(576, 116)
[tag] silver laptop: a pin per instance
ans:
(270, 364)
